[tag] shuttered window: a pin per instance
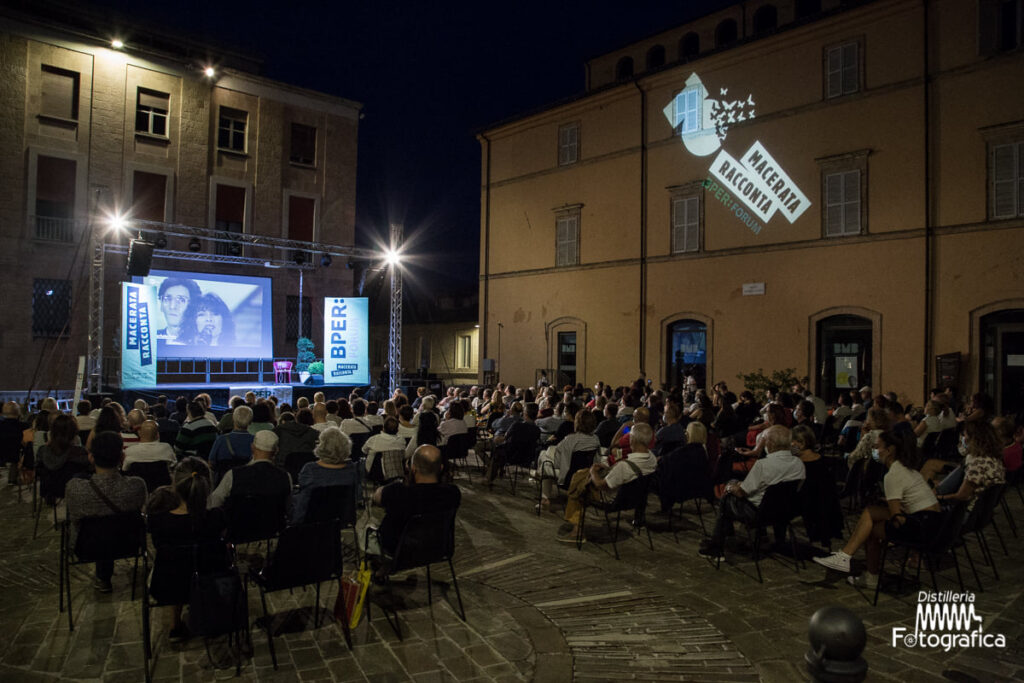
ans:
(59, 93)
(567, 240)
(685, 224)
(568, 144)
(1008, 180)
(842, 70)
(842, 204)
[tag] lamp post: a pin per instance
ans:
(498, 373)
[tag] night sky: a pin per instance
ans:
(429, 75)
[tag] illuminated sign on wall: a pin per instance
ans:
(754, 186)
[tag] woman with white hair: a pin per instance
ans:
(333, 467)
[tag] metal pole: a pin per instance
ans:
(95, 338)
(301, 307)
(395, 328)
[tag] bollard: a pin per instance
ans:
(837, 638)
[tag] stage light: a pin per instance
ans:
(392, 257)
(325, 260)
(299, 258)
(160, 242)
(210, 72)
(116, 43)
(235, 249)
(117, 222)
(194, 244)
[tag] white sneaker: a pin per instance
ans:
(839, 561)
(865, 580)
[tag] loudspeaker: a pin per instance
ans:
(140, 256)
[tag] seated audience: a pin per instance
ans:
(982, 466)
(295, 434)
(819, 500)
(523, 434)
(454, 422)
(106, 493)
(742, 498)
(236, 445)
(385, 442)
(555, 461)
(260, 477)
(333, 467)
(911, 511)
(226, 423)
(177, 516)
(262, 417)
(149, 448)
(599, 480)
(427, 434)
(197, 434)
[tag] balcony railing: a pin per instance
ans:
(53, 229)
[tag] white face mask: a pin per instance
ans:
(874, 454)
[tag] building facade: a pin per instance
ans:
(208, 160)
(832, 187)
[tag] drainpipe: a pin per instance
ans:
(643, 229)
(928, 237)
(485, 275)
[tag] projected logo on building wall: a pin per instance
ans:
(754, 187)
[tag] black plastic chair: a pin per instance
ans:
(359, 440)
(304, 555)
(684, 476)
(946, 538)
(155, 474)
(630, 496)
(255, 518)
(979, 519)
(518, 456)
(221, 467)
(51, 485)
(779, 506)
(101, 538)
(327, 503)
(294, 462)
(182, 565)
(455, 451)
(945, 445)
(426, 539)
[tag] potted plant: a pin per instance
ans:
(304, 357)
(316, 372)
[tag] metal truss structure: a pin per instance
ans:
(275, 252)
(395, 325)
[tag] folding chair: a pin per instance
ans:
(426, 539)
(579, 460)
(457, 449)
(155, 474)
(684, 476)
(304, 555)
(255, 518)
(101, 538)
(630, 496)
(294, 462)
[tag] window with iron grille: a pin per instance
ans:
(291, 318)
(151, 112)
(51, 308)
(231, 129)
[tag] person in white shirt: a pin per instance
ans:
(320, 422)
(356, 424)
(149, 448)
(373, 416)
(406, 424)
(741, 499)
(387, 441)
(84, 418)
(454, 422)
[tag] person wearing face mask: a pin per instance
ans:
(911, 510)
(982, 466)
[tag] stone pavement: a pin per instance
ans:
(537, 609)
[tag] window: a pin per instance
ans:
(151, 112)
(229, 216)
(685, 224)
(465, 351)
(567, 239)
(59, 93)
(689, 46)
(303, 150)
(149, 192)
(568, 144)
(726, 33)
(291, 318)
(766, 18)
(655, 57)
(231, 129)
(842, 203)
(51, 308)
(1007, 180)
(55, 199)
(624, 69)
(688, 110)
(1009, 30)
(842, 70)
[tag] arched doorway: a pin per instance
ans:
(686, 347)
(1002, 359)
(845, 354)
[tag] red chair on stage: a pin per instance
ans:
(283, 368)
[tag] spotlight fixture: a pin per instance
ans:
(210, 72)
(195, 245)
(325, 261)
(235, 249)
(299, 258)
(160, 242)
(117, 43)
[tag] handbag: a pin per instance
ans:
(352, 596)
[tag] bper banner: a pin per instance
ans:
(346, 341)
(138, 343)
